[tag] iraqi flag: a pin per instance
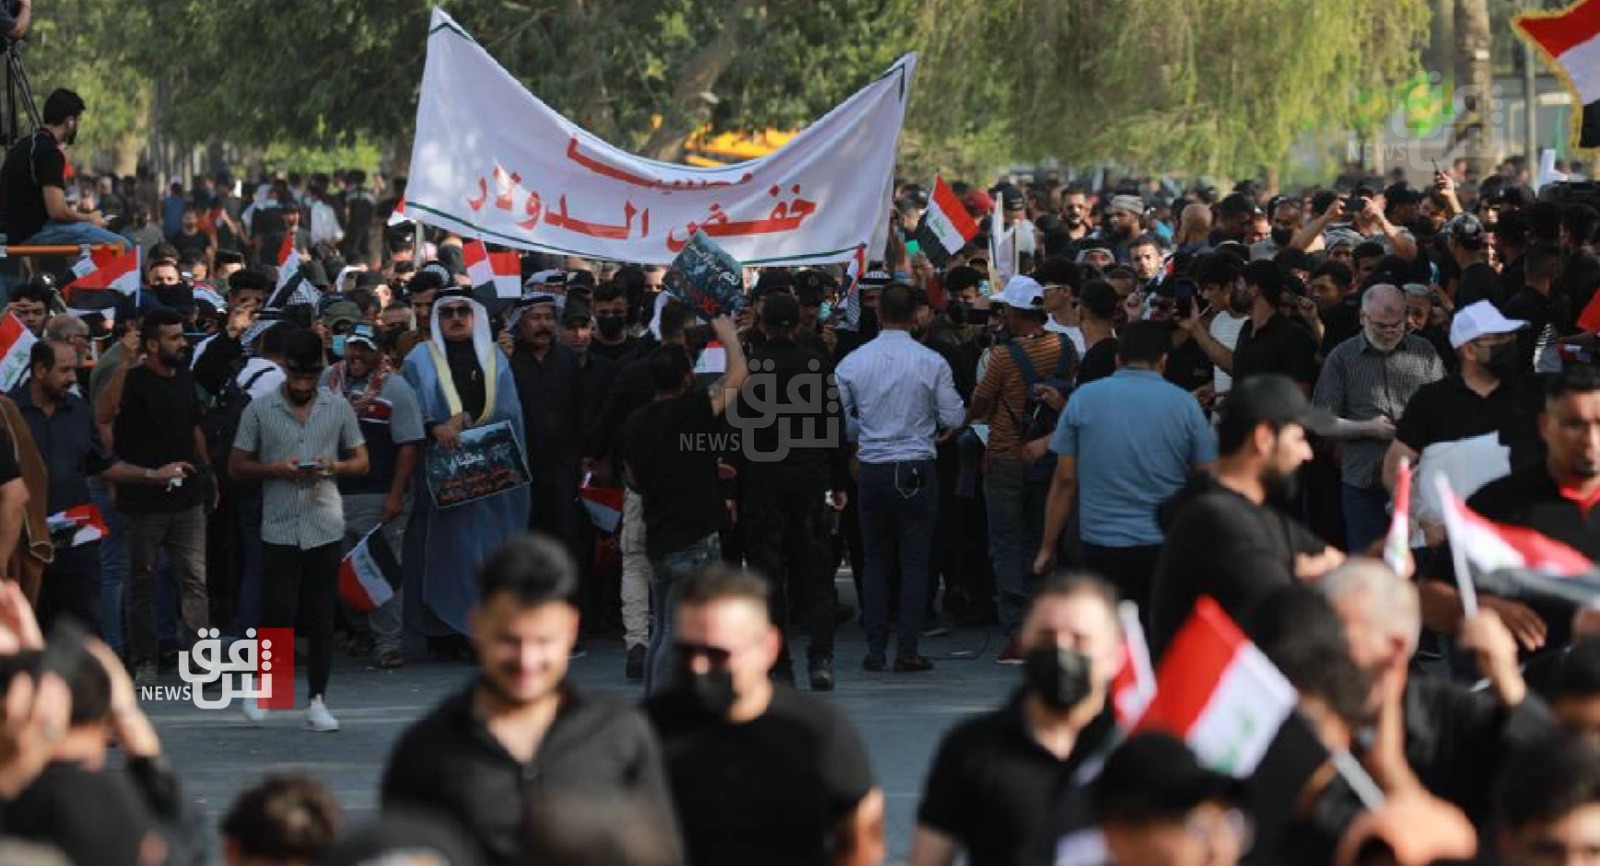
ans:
(604, 504)
(398, 215)
(293, 288)
(1225, 698)
(16, 343)
(946, 226)
(76, 527)
(1397, 544)
(1570, 39)
(500, 271)
(369, 574)
(102, 280)
(1135, 684)
(1218, 691)
(1515, 561)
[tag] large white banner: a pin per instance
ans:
(492, 161)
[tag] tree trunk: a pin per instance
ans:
(688, 111)
(1475, 75)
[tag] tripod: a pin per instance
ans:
(18, 89)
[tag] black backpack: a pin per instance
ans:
(1037, 418)
(220, 420)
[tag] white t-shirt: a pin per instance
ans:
(1073, 332)
(269, 378)
(1225, 329)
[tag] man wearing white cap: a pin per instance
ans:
(462, 381)
(1035, 362)
(1472, 427)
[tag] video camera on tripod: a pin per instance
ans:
(15, 19)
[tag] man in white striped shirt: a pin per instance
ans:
(296, 441)
(897, 395)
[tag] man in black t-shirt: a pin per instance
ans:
(1225, 538)
(33, 183)
(759, 772)
(997, 777)
(669, 452)
(157, 432)
(1269, 342)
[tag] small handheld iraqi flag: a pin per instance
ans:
(369, 574)
(76, 527)
(604, 504)
(1219, 692)
(501, 271)
(1397, 544)
(1135, 684)
(105, 269)
(16, 344)
(293, 288)
(1511, 561)
(946, 226)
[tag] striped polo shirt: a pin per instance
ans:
(303, 513)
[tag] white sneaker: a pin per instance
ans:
(253, 712)
(319, 719)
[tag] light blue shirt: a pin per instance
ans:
(1136, 437)
(897, 393)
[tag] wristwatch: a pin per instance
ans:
(149, 475)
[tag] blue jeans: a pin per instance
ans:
(113, 570)
(77, 234)
(666, 572)
(1016, 525)
(1366, 515)
(899, 514)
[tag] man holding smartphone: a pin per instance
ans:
(297, 440)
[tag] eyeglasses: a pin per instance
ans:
(456, 312)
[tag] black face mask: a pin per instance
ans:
(610, 326)
(708, 695)
(1282, 236)
(1505, 360)
(1060, 677)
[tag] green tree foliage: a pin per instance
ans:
(1216, 86)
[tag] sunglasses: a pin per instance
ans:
(455, 312)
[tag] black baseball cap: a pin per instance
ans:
(780, 311)
(1154, 777)
(1273, 398)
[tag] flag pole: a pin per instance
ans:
(1455, 533)
(1361, 784)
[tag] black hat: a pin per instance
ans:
(1272, 398)
(773, 280)
(1013, 199)
(1155, 777)
(302, 353)
(1238, 202)
(576, 310)
(780, 311)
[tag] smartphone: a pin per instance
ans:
(1184, 291)
(308, 466)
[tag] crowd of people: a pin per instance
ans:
(1111, 394)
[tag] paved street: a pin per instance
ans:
(218, 754)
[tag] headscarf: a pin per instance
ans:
(482, 344)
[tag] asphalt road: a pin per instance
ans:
(901, 716)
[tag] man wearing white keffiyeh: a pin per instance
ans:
(461, 382)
